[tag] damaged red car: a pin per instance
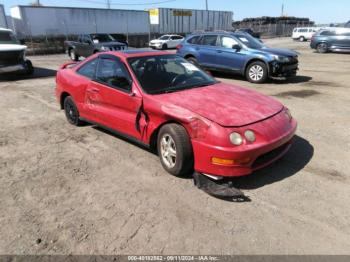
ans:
(194, 122)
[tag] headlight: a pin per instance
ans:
(250, 135)
(236, 139)
(282, 59)
(104, 48)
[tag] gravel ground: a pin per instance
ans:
(68, 190)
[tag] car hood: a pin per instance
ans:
(12, 47)
(279, 51)
(227, 105)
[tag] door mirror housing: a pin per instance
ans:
(236, 47)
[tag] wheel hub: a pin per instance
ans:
(168, 150)
(256, 73)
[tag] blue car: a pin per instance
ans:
(331, 40)
(238, 53)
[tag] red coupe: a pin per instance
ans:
(193, 121)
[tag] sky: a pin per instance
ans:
(320, 11)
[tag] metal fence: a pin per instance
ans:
(275, 29)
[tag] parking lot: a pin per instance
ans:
(69, 190)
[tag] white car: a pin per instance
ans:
(12, 54)
(304, 33)
(166, 41)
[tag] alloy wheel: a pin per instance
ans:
(256, 72)
(168, 150)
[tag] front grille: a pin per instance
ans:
(265, 158)
(117, 48)
(10, 57)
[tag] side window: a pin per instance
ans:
(193, 40)
(88, 70)
(228, 42)
(113, 73)
(209, 40)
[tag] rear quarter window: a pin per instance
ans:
(193, 39)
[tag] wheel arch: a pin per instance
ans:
(62, 98)
(154, 136)
(256, 60)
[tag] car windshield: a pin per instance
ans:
(168, 73)
(7, 37)
(250, 41)
(164, 37)
(102, 37)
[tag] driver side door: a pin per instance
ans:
(230, 59)
(111, 98)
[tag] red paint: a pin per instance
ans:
(209, 114)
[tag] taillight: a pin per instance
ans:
(179, 46)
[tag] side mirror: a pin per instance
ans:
(236, 47)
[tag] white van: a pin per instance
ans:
(304, 33)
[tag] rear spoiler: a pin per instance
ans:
(68, 65)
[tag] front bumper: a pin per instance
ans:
(12, 68)
(278, 69)
(156, 46)
(261, 155)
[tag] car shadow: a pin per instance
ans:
(295, 160)
(276, 81)
(39, 72)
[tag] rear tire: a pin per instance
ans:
(322, 48)
(71, 111)
(73, 55)
(257, 72)
(192, 60)
(175, 150)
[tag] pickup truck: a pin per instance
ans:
(12, 54)
(89, 44)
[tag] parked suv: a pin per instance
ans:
(166, 41)
(12, 54)
(238, 53)
(89, 44)
(336, 40)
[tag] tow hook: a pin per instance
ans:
(219, 188)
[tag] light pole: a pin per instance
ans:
(206, 5)
(108, 4)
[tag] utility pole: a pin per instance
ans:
(282, 13)
(206, 5)
(108, 4)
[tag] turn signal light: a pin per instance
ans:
(230, 162)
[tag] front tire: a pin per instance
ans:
(29, 69)
(257, 72)
(302, 39)
(322, 48)
(164, 46)
(175, 150)
(71, 111)
(73, 55)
